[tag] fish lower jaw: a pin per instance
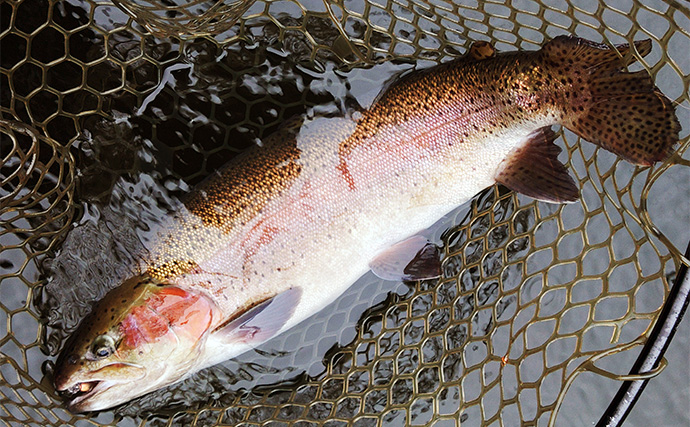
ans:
(78, 394)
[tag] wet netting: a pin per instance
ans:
(110, 111)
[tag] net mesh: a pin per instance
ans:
(532, 294)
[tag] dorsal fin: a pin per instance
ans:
(534, 170)
(481, 50)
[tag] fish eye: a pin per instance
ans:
(103, 346)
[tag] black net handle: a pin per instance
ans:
(653, 350)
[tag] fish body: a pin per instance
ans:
(284, 229)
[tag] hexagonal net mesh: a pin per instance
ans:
(532, 294)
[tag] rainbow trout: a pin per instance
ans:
(284, 229)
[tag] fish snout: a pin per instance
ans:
(60, 382)
(63, 371)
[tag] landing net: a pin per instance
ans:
(102, 102)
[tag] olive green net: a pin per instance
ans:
(106, 101)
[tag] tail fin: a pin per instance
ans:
(623, 112)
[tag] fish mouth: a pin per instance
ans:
(101, 390)
(81, 391)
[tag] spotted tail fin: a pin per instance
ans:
(623, 112)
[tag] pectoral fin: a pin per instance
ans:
(261, 321)
(534, 170)
(413, 259)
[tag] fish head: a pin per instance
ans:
(143, 335)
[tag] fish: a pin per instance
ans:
(285, 228)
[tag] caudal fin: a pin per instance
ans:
(620, 111)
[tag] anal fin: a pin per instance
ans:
(534, 170)
(412, 259)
